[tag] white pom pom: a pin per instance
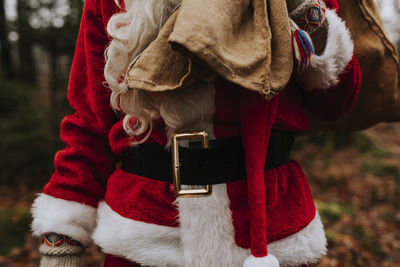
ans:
(267, 261)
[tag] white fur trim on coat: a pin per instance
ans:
(64, 217)
(267, 261)
(207, 233)
(306, 246)
(156, 245)
(144, 243)
(324, 70)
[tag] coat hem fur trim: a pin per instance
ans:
(157, 245)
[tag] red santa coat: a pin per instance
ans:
(140, 219)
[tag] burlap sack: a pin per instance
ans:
(160, 68)
(246, 42)
(379, 97)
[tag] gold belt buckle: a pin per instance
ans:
(176, 177)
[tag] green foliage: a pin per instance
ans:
(330, 235)
(12, 96)
(384, 170)
(60, 37)
(330, 141)
(27, 137)
(381, 169)
(332, 212)
(368, 240)
(29, 127)
(14, 224)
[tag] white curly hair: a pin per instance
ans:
(132, 30)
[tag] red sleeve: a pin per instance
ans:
(332, 4)
(334, 102)
(83, 166)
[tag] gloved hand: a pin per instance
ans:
(60, 251)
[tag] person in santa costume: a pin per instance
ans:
(114, 184)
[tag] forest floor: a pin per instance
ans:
(355, 180)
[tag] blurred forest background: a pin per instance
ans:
(355, 177)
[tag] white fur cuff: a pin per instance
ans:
(64, 217)
(267, 261)
(324, 70)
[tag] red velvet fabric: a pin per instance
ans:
(113, 261)
(257, 119)
(286, 189)
(333, 104)
(332, 4)
(141, 199)
(83, 167)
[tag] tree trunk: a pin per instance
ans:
(53, 80)
(6, 66)
(27, 71)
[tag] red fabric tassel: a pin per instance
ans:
(257, 117)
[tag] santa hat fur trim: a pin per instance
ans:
(267, 261)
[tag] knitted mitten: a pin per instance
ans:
(321, 42)
(306, 17)
(61, 251)
(309, 15)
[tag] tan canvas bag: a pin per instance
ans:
(379, 97)
(246, 42)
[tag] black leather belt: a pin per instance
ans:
(222, 162)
